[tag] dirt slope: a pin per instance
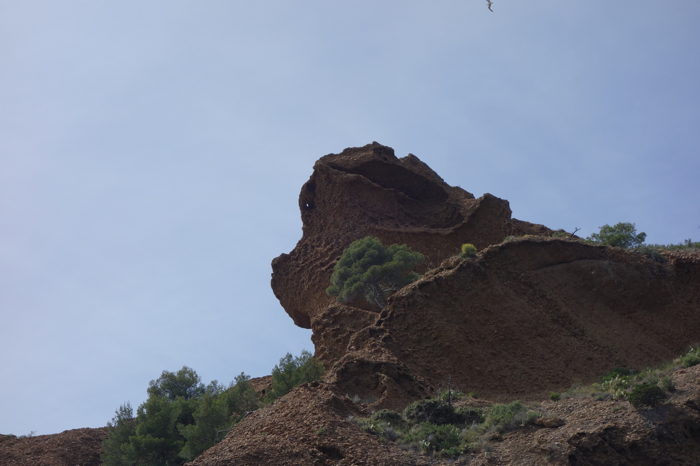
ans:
(77, 447)
(314, 425)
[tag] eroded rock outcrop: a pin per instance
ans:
(534, 315)
(525, 316)
(369, 191)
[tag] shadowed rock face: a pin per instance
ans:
(369, 191)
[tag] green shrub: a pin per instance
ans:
(646, 394)
(384, 423)
(469, 416)
(369, 269)
(621, 235)
(691, 358)
(432, 411)
(184, 383)
(115, 451)
(468, 250)
(157, 439)
(651, 252)
(618, 372)
(504, 417)
(442, 439)
(181, 417)
(216, 412)
(389, 417)
(617, 386)
(666, 383)
(554, 396)
(292, 371)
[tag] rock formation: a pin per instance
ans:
(368, 191)
(527, 315)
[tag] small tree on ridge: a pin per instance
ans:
(369, 269)
(621, 235)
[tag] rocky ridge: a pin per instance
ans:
(529, 314)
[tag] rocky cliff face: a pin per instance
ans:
(524, 317)
(369, 191)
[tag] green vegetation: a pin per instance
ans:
(443, 439)
(468, 250)
(450, 395)
(182, 417)
(435, 426)
(618, 372)
(621, 235)
(438, 427)
(369, 269)
(691, 358)
(115, 448)
(505, 417)
(687, 245)
(292, 371)
(646, 394)
(433, 411)
(647, 388)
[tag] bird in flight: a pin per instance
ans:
(489, 3)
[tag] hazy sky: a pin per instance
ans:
(151, 154)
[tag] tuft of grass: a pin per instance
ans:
(649, 387)
(432, 438)
(617, 373)
(691, 358)
(505, 417)
(468, 250)
(470, 416)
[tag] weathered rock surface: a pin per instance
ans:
(534, 315)
(369, 191)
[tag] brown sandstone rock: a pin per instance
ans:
(368, 191)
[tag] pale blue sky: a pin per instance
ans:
(151, 154)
